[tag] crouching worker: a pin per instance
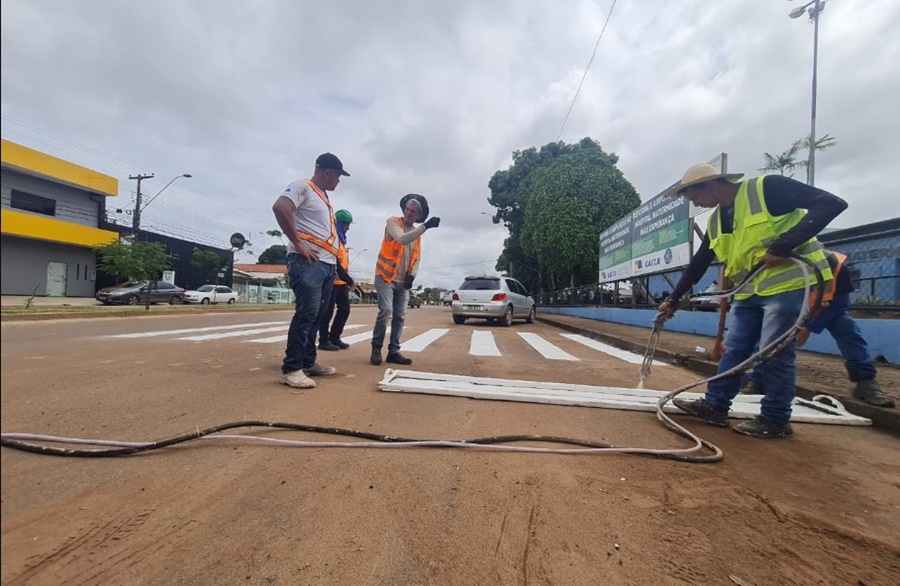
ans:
(834, 317)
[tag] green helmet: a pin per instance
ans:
(343, 216)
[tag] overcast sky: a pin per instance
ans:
(434, 97)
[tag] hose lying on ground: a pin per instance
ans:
(762, 354)
(26, 442)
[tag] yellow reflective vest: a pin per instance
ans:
(754, 230)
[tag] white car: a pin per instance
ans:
(496, 299)
(211, 294)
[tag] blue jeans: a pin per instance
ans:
(392, 301)
(853, 347)
(846, 334)
(757, 321)
(312, 283)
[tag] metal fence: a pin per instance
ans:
(873, 253)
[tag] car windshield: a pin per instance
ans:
(206, 288)
(486, 284)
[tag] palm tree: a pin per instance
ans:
(822, 143)
(785, 163)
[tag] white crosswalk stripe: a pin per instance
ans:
(367, 335)
(194, 330)
(483, 344)
(625, 355)
(283, 337)
(223, 335)
(422, 341)
(545, 348)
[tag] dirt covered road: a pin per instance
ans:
(822, 508)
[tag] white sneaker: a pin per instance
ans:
(298, 380)
(319, 370)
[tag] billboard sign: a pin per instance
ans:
(660, 238)
(655, 237)
(615, 251)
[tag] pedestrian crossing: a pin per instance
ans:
(481, 342)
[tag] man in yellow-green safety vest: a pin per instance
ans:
(763, 219)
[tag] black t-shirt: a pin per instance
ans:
(782, 195)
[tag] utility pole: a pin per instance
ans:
(136, 225)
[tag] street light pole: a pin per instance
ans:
(136, 222)
(817, 7)
(188, 175)
(139, 207)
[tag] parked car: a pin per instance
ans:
(414, 300)
(493, 298)
(211, 294)
(135, 293)
(447, 299)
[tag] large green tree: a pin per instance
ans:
(274, 255)
(555, 201)
(208, 263)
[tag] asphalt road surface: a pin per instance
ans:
(821, 508)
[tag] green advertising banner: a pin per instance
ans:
(615, 251)
(660, 237)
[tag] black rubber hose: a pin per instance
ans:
(150, 446)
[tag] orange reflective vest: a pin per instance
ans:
(327, 245)
(343, 258)
(390, 255)
(837, 261)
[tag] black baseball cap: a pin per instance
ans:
(329, 161)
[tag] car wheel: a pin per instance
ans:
(232, 301)
(175, 300)
(204, 301)
(133, 300)
(530, 318)
(507, 317)
(459, 320)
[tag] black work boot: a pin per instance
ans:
(764, 429)
(340, 343)
(398, 358)
(870, 392)
(702, 409)
(326, 345)
(376, 356)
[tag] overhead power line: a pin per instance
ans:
(575, 97)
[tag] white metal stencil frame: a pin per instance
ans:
(822, 409)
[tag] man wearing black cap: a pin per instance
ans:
(305, 216)
(395, 270)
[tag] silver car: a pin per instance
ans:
(493, 299)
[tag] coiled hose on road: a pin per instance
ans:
(27, 442)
